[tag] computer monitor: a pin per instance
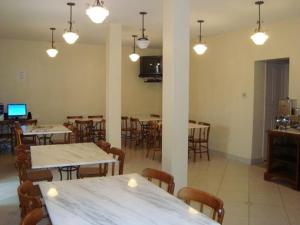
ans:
(16, 110)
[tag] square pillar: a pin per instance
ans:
(176, 50)
(113, 84)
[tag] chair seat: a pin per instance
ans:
(39, 175)
(91, 172)
(200, 140)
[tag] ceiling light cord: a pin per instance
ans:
(52, 42)
(200, 27)
(259, 19)
(134, 37)
(71, 18)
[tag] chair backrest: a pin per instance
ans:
(22, 149)
(18, 133)
(154, 135)
(134, 124)
(28, 201)
(155, 115)
(28, 122)
(204, 132)
(119, 155)
(22, 163)
(105, 146)
(161, 176)
(124, 123)
(74, 117)
(84, 130)
(33, 217)
(189, 194)
(192, 131)
(95, 117)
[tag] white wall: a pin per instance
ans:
(222, 82)
(70, 84)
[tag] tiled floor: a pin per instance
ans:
(248, 199)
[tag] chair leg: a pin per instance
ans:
(60, 173)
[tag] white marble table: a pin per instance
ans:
(119, 200)
(45, 130)
(65, 155)
(197, 126)
(148, 118)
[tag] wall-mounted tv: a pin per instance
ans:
(16, 110)
(151, 67)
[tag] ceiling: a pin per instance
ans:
(31, 19)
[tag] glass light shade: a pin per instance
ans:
(70, 37)
(143, 43)
(52, 52)
(97, 13)
(259, 38)
(200, 48)
(134, 57)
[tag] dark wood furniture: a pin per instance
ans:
(161, 176)
(284, 157)
(189, 194)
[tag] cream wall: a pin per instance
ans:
(222, 82)
(70, 84)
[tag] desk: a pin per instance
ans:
(118, 200)
(45, 130)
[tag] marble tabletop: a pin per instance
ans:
(119, 200)
(148, 118)
(44, 129)
(193, 126)
(51, 156)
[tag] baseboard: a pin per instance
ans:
(233, 157)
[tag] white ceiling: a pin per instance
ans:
(31, 19)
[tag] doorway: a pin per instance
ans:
(271, 83)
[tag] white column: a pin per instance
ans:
(113, 84)
(176, 29)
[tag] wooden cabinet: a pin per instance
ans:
(284, 157)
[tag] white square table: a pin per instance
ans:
(45, 130)
(118, 200)
(68, 155)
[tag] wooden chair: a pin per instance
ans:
(96, 171)
(33, 217)
(102, 130)
(135, 132)
(189, 194)
(154, 141)
(125, 129)
(74, 117)
(96, 126)
(119, 155)
(26, 173)
(29, 197)
(200, 143)
(155, 115)
(161, 176)
(20, 139)
(84, 131)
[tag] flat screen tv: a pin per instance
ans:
(150, 66)
(16, 110)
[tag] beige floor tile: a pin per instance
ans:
(266, 198)
(233, 196)
(294, 216)
(267, 215)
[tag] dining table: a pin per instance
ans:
(68, 156)
(46, 131)
(116, 200)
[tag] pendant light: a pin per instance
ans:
(52, 52)
(200, 48)
(70, 36)
(134, 56)
(97, 12)
(259, 37)
(143, 42)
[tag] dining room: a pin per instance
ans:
(149, 112)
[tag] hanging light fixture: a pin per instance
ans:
(200, 48)
(134, 56)
(97, 12)
(143, 42)
(259, 37)
(70, 36)
(52, 52)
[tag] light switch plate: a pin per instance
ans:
(21, 76)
